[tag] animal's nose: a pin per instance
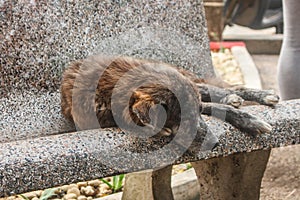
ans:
(216, 145)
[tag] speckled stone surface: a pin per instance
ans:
(38, 38)
(27, 115)
(64, 158)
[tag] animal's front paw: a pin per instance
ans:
(166, 131)
(233, 100)
(271, 99)
(260, 126)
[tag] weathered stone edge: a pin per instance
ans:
(66, 158)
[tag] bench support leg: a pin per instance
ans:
(152, 185)
(235, 177)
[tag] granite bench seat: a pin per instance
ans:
(39, 149)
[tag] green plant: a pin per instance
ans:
(48, 193)
(23, 197)
(189, 166)
(117, 183)
(45, 195)
(222, 48)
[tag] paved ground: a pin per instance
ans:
(267, 67)
(282, 176)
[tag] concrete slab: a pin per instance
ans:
(267, 67)
(247, 66)
(257, 41)
(237, 30)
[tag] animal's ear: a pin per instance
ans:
(142, 104)
(141, 95)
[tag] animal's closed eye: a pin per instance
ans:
(165, 106)
(141, 114)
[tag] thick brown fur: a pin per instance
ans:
(88, 86)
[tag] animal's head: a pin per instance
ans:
(157, 108)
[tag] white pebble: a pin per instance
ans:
(94, 183)
(88, 190)
(82, 197)
(70, 196)
(82, 184)
(73, 190)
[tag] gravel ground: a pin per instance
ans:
(281, 179)
(227, 67)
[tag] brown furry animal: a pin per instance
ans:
(122, 91)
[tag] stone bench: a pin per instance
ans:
(40, 149)
(57, 158)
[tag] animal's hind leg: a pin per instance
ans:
(240, 119)
(235, 95)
